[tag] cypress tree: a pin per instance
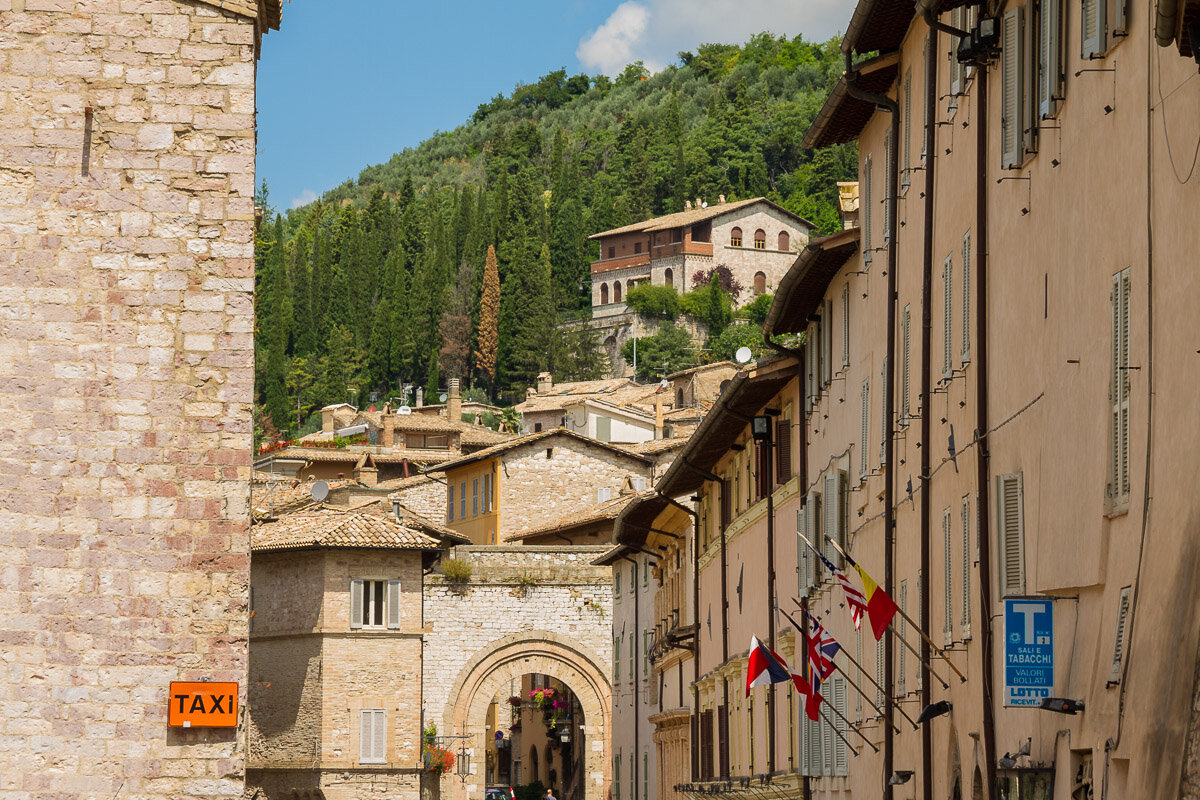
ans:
(489, 320)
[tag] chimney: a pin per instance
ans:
(388, 434)
(453, 402)
(368, 476)
(420, 396)
(545, 383)
(720, 199)
(687, 205)
(327, 421)
(697, 202)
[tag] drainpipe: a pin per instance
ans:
(931, 59)
(884, 103)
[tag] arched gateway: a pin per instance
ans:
(507, 660)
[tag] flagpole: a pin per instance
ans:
(841, 736)
(962, 678)
(846, 675)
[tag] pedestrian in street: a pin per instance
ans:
(548, 796)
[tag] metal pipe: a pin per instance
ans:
(889, 105)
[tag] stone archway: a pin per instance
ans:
(509, 658)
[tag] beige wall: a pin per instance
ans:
(312, 675)
(126, 359)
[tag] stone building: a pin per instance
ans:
(336, 652)
(126, 379)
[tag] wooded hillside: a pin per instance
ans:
(379, 284)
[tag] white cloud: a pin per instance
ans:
(304, 198)
(654, 31)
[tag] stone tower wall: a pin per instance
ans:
(126, 375)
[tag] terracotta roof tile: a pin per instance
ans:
(692, 216)
(606, 510)
(324, 526)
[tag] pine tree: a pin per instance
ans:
(526, 349)
(489, 320)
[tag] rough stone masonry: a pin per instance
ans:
(126, 376)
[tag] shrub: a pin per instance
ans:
(724, 346)
(657, 302)
(530, 791)
(756, 311)
(456, 570)
(669, 349)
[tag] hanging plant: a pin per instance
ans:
(437, 760)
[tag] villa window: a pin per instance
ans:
(669, 277)
(616, 291)
(612, 252)
(604, 294)
(735, 237)
(760, 239)
(785, 241)
(760, 282)
(374, 604)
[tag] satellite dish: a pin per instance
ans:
(442, 397)
(319, 491)
(402, 410)
(665, 383)
(743, 355)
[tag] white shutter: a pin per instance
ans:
(1011, 124)
(907, 149)
(866, 421)
(356, 603)
(889, 171)
(948, 561)
(1010, 529)
(1029, 81)
(1093, 26)
(879, 698)
(846, 325)
(810, 368)
(1120, 26)
(372, 736)
(865, 207)
(885, 422)
(827, 341)
(393, 604)
(1118, 653)
(902, 631)
(804, 555)
(966, 567)
(1119, 391)
(840, 765)
(956, 68)
(832, 517)
(924, 109)
(603, 493)
(815, 760)
(920, 615)
(1050, 57)
(842, 517)
(966, 297)
(905, 372)
(858, 657)
(813, 509)
(827, 739)
(947, 316)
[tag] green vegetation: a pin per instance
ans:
(669, 350)
(655, 302)
(382, 284)
(456, 570)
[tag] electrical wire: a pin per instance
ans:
(1162, 101)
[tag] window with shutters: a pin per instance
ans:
(783, 449)
(706, 745)
(966, 567)
(723, 740)
(902, 632)
(450, 502)
(735, 237)
(889, 177)
(866, 209)
(1050, 60)
(475, 497)
(374, 604)
(948, 575)
(1011, 89)
(814, 524)
(827, 344)
(846, 325)
(866, 422)
(906, 148)
(885, 422)
(966, 298)
(1010, 531)
(617, 776)
(1119, 377)
(1093, 28)
(1118, 653)
(372, 736)
(487, 492)
(462, 500)
(760, 239)
(617, 658)
(905, 365)
(762, 469)
(947, 317)
(879, 698)
(957, 69)
(840, 763)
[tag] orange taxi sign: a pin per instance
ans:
(202, 704)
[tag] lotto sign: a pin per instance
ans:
(202, 705)
(1028, 650)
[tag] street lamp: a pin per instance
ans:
(463, 768)
(760, 428)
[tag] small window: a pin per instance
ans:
(760, 282)
(637, 247)
(616, 291)
(372, 738)
(735, 237)
(462, 500)
(537, 427)
(549, 453)
(669, 277)
(475, 497)
(603, 493)
(760, 239)
(374, 604)
(487, 492)
(604, 294)
(450, 503)
(784, 240)
(612, 252)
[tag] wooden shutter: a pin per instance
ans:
(924, 108)
(902, 631)
(1120, 22)
(832, 516)
(840, 499)
(827, 739)
(865, 207)
(803, 554)
(616, 776)
(813, 523)
(1119, 389)
(783, 450)
(1118, 653)
(840, 765)
(947, 317)
(617, 650)
(858, 656)
(372, 736)
(706, 745)
(966, 567)
(1010, 529)
(827, 344)
(1010, 91)
(1050, 57)
(1029, 81)
(905, 368)
(920, 615)
(356, 603)
(450, 504)
(879, 698)
(726, 504)
(1093, 25)
(846, 325)
(889, 172)
(866, 421)
(907, 147)
(723, 740)
(393, 604)
(948, 561)
(966, 298)
(956, 68)
(810, 371)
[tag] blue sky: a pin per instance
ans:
(347, 83)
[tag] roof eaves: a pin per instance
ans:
(843, 116)
(806, 282)
(878, 25)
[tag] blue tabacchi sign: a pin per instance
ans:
(1028, 650)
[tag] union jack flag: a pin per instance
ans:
(856, 599)
(822, 647)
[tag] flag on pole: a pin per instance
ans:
(822, 647)
(858, 603)
(766, 667)
(880, 606)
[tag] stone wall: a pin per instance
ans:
(744, 261)
(126, 377)
(535, 489)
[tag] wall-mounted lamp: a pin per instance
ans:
(1061, 705)
(934, 710)
(760, 428)
(900, 776)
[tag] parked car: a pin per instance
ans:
(499, 793)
